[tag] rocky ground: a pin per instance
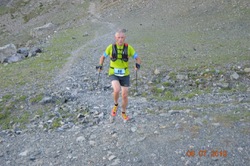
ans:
(179, 116)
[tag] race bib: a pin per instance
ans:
(119, 72)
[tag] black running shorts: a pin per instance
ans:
(124, 81)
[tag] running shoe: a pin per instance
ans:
(114, 110)
(124, 116)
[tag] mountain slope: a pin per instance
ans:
(192, 105)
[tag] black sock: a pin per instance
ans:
(116, 104)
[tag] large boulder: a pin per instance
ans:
(34, 51)
(14, 58)
(10, 54)
(43, 30)
(23, 50)
(7, 51)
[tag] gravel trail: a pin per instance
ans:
(201, 131)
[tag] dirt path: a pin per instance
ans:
(99, 34)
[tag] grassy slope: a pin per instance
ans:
(34, 74)
(24, 82)
(54, 56)
(218, 32)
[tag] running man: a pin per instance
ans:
(119, 54)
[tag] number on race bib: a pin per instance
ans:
(119, 72)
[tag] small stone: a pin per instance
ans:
(79, 116)
(215, 158)
(141, 139)
(92, 143)
(135, 94)
(101, 115)
(133, 129)
(216, 124)
(32, 158)
(18, 132)
(173, 112)
(177, 126)
(181, 77)
(116, 162)
(187, 162)
(156, 132)
(240, 149)
(157, 72)
(164, 114)
(163, 127)
(112, 157)
(85, 34)
(80, 139)
(93, 136)
(247, 70)
(235, 76)
(60, 129)
(46, 100)
(187, 111)
(25, 153)
(191, 146)
(198, 121)
(223, 85)
(1, 140)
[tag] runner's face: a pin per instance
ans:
(120, 38)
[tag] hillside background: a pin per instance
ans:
(193, 86)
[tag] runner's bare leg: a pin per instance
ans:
(116, 87)
(124, 98)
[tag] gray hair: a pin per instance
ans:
(121, 31)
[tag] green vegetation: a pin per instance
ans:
(36, 98)
(6, 98)
(149, 111)
(40, 112)
(16, 6)
(181, 47)
(233, 116)
(44, 65)
(56, 123)
(190, 95)
(11, 113)
(5, 120)
(3, 10)
(186, 45)
(35, 72)
(33, 14)
(168, 95)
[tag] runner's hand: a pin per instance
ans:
(137, 66)
(99, 68)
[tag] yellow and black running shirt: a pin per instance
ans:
(119, 67)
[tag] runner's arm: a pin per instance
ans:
(138, 60)
(101, 61)
(102, 58)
